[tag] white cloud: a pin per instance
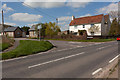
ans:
(8, 23)
(76, 4)
(31, 24)
(109, 8)
(6, 8)
(65, 18)
(64, 22)
(54, 3)
(85, 15)
(25, 17)
(61, 23)
(45, 4)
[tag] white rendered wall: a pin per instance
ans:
(87, 26)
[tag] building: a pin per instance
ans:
(32, 32)
(98, 25)
(14, 32)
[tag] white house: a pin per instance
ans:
(85, 23)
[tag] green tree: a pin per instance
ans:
(26, 29)
(52, 29)
(42, 29)
(47, 29)
(115, 28)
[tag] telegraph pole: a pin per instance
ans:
(57, 21)
(2, 22)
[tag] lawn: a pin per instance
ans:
(4, 46)
(28, 47)
(89, 40)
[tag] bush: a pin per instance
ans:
(28, 47)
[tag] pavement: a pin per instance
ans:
(67, 60)
(15, 45)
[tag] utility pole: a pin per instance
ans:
(39, 34)
(57, 21)
(2, 22)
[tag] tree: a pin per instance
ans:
(42, 30)
(26, 29)
(113, 14)
(52, 29)
(115, 28)
(47, 29)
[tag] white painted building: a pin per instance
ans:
(85, 23)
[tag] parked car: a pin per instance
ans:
(118, 38)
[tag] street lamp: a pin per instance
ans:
(39, 27)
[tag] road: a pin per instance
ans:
(68, 60)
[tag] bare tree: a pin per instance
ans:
(113, 14)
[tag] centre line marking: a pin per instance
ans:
(114, 58)
(55, 60)
(98, 70)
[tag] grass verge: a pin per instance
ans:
(89, 40)
(4, 46)
(28, 47)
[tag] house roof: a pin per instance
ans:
(5, 26)
(11, 29)
(87, 20)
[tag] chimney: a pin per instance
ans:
(73, 17)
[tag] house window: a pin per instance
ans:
(18, 32)
(34, 33)
(75, 27)
(92, 33)
(83, 26)
(92, 25)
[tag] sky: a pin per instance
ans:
(28, 13)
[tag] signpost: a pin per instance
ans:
(39, 27)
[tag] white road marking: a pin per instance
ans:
(103, 47)
(40, 54)
(98, 70)
(15, 59)
(55, 60)
(1, 61)
(74, 42)
(114, 58)
(97, 43)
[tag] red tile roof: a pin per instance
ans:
(87, 20)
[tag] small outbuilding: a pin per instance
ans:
(14, 32)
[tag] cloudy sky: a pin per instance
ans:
(28, 13)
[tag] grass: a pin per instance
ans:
(89, 40)
(4, 46)
(28, 47)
